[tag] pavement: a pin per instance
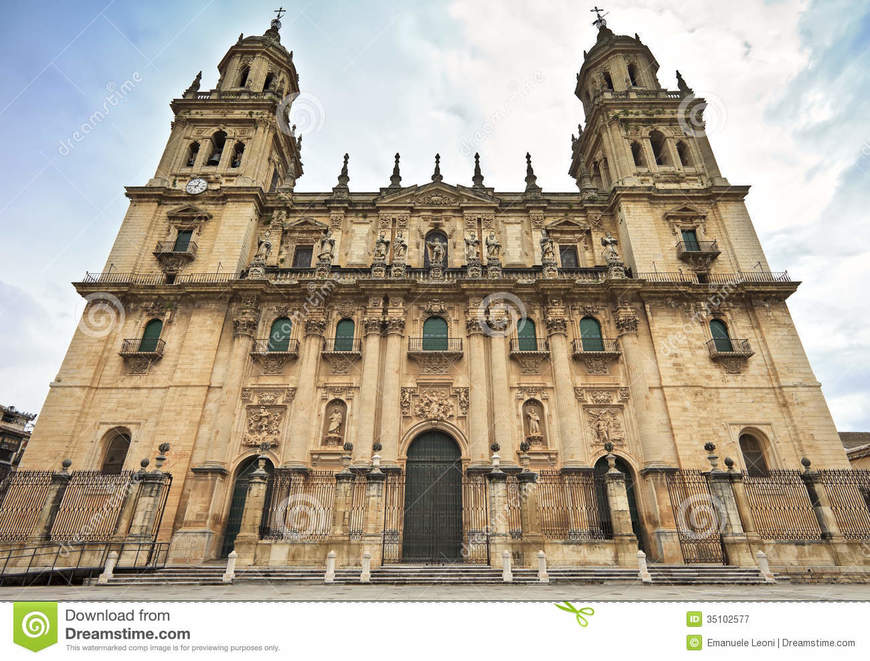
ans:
(285, 591)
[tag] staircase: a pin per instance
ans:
(408, 574)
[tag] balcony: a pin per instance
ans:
(530, 346)
(729, 348)
(140, 347)
(272, 355)
(699, 254)
(596, 346)
(171, 249)
(435, 354)
(341, 353)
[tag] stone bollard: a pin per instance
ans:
(230, 572)
(764, 567)
(330, 568)
(543, 576)
(506, 574)
(109, 569)
(642, 569)
(366, 573)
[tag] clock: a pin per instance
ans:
(196, 186)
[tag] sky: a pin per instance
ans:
(786, 83)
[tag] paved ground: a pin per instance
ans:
(263, 591)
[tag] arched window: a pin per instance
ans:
(608, 81)
(344, 331)
(270, 80)
(527, 339)
(632, 74)
(117, 446)
(605, 173)
(192, 151)
(657, 140)
(683, 153)
(243, 76)
(753, 456)
(151, 336)
(435, 334)
(721, 339)
(590, 334)
(279, 335)
(637, 154)
(431, 253)
(218, 140)
(238, 150)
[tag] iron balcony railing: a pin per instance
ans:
(697, 248)
(602, 345)
(145, 279)
(170, 248)
(530, 345)
(341, 345)
(693, 278)
(143, 346)
(435, 345)
(723, 347)
(268, 345)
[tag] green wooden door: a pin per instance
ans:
(344, 331)
(151, 336)
(721, 340)
(435, 334)
(526, 337)
(590, 334)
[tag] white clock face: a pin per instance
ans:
(196, 186)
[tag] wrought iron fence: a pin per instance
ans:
(394, 511)
(573, 507)
(267, 345)
(300, 508)
(593, 345)
(849, 494)
(435, 344)
(514, 506)
(357, 513)
(91, 506)
(697, 517)
(26, 492)
(530, 345)
(475, 519)
(781, 506)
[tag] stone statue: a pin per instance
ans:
(534, 421)
(609, 243)
(400, 248)
(336, 419)
(548, 251)
(194, 86)
(381, 246)
(493, 247)
(601, 427)
(436, 253)
(327, 247)
(264, 247)
(472, 247)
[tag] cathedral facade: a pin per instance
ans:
(444, 372)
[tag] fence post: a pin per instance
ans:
(343, 490)
(249, 530)
(507, 574)
(764, 567)
(642, 569)
(737, 550)
(530, 511)
(59, 481)
(744, 510)
(665, 540)
(330, 568)
(230, 572)
(109, 568)
(620, 515)
(498, 511)
(365, 576)
(543, 576)
(373, 527)
(818, 492)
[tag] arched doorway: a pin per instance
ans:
(433, 500)
(237, 503)
(601, 468)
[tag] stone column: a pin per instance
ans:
(572, 451)
(249, 530)
(499, 535)
(373, 537)
(747, 519)
(391, 412)
(341, 507)
(503, 413)
(530, 512)
(662, 527)
(41, 532)
(843, 554)
(478, 418)
(304, 414)
(624, 539)
(364, 429)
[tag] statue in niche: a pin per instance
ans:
(609, 243)
(472, 247)
(336, 418)
(400, 248)
(327, 247)
(264, 247)
(534, 424)
(548, 251)
(534, 421)
(436, 252)
(382, 245)
(493, 247)
(334, 432)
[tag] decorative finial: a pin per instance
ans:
(806, 463)
(531, 179)
(436, 175)
(275, 25)
(194, 86)
(599, 21)
(477, 179)
(279, 13)
(681, 84)
(343, 177)
(396, 178)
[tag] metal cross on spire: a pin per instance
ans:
(280, 12)
(599, 21)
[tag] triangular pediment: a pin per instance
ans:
(306, 223)
(436, 195)
(188, 212)
(566, 225)
(685, 211)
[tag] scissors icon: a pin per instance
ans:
(578, 612)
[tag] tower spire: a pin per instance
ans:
(532, 187)
(477, 179)
(396, 178)
(436, 175)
